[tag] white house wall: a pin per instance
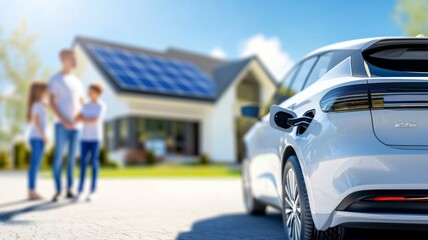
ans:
(227, 108)
(222, 128)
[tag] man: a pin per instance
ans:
(66, 98)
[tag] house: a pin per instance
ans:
(176, 103)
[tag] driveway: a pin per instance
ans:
(141, 209)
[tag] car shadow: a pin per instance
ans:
(243, 226)
(7, 217)
(237, 226)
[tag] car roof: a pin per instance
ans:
(358, 44)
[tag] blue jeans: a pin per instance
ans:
(62, 137)
(89, 152)
(37, 150)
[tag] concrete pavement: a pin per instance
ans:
(139, 209)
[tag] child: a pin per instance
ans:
(92, 117)
(36, 115)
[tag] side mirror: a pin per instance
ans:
(279, 118)
(251, 111)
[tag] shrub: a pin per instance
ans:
(110, 164)
(21, 155)
(105, 160)
(204, 159)
(150, 157)
(5, 161)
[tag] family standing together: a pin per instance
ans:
(75, 119)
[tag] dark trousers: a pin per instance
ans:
(89, 155)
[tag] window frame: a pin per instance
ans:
(339, 53)
(291, 73)
(305, 85)
(316, 56)
(337, 57)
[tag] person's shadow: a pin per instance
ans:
(8, 216)
(243, 226)
(8, 204)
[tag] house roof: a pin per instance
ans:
(194, 76)
(206, 63)
(226, 73)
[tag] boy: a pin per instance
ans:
(92, 115)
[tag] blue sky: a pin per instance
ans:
(290, 29)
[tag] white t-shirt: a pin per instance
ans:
(68, 91)
(37, 109)
(93, 131)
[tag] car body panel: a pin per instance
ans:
(341, 153)
(408, 123)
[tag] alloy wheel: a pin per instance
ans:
(292, 206)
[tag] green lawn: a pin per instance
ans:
(167, 171)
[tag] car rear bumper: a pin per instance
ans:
(386, 201)
(397, 173)
(379, 220)
(350, 159)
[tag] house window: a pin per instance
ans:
(109, 135)
(166, 137)
(123, 132)
(141, 133)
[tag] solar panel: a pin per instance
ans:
(139, 72)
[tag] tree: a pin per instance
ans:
(19, 65)
(412, 16)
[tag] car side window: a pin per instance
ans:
(321, 67)
(302, 75)
(325, 63)
(284, 88)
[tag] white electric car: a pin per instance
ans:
(345, 142)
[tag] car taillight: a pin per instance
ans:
(347, 98)
(388, 95)
(399, 95)
(398, 199)
(389, 199)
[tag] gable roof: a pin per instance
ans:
(226, 73)
(206, 63)
(209, 77)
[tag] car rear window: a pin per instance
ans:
(400, 57)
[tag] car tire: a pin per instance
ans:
(296, 211)
(252, 205)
